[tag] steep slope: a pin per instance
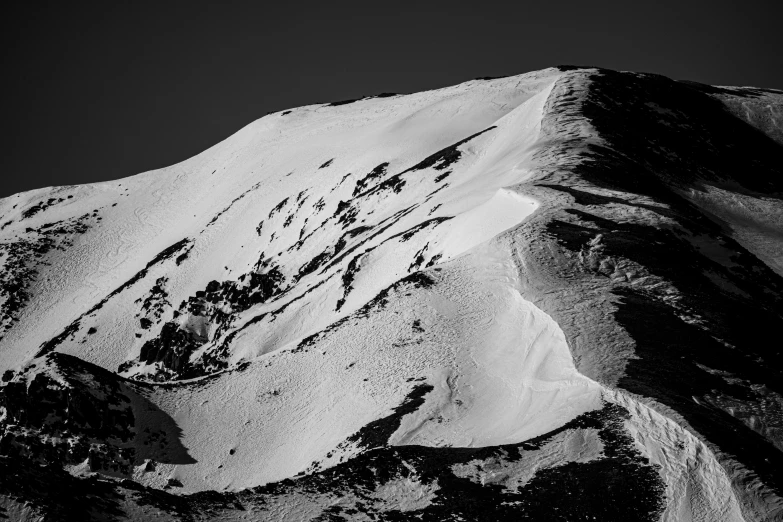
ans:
(531, 297)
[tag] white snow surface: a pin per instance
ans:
(501, 368)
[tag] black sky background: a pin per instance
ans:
(114, 89)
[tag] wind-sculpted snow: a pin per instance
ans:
(524, 298)
(24, 255)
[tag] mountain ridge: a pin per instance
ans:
(533, 249)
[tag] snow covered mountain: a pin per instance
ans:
(552, 296)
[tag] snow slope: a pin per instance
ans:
(336, 281)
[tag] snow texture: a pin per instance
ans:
(507, 299)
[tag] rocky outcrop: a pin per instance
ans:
(61, 410)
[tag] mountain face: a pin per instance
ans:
(553, 296)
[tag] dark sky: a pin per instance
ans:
(119, 88)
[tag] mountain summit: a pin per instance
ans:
(552, 296)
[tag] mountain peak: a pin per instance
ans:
(529, 297)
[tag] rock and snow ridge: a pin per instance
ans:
(551, 296)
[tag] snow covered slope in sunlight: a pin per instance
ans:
(505, 299)
(294, 199)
